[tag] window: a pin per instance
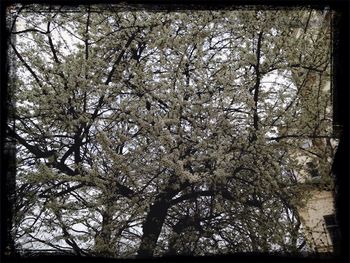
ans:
(333, 230)
(312, 169)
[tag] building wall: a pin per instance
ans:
(319, 199)
(321, 203)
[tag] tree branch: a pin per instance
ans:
(26, 65)
(86, 34)
(33, 149)
(54, 53)
(300, 136)
(119, 58)
(29, 30)
(257, 83)
(191, 196)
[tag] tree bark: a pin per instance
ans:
(154, 222)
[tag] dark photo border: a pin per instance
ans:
(341, 73)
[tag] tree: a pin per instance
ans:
(158, 133)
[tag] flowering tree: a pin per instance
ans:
(158, 133)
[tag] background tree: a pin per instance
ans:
(157, 133)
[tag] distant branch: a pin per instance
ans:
(192, 195)
(29, 30)
(53, 50)
(87, 34)
(307, 67)
(119, 58)
(26, 64)
(38, 153)
(300, 136)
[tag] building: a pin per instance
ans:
(317, 151)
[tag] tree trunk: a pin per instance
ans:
(154, 222)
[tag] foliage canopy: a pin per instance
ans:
(160, 133)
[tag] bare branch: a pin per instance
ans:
(26, 65)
